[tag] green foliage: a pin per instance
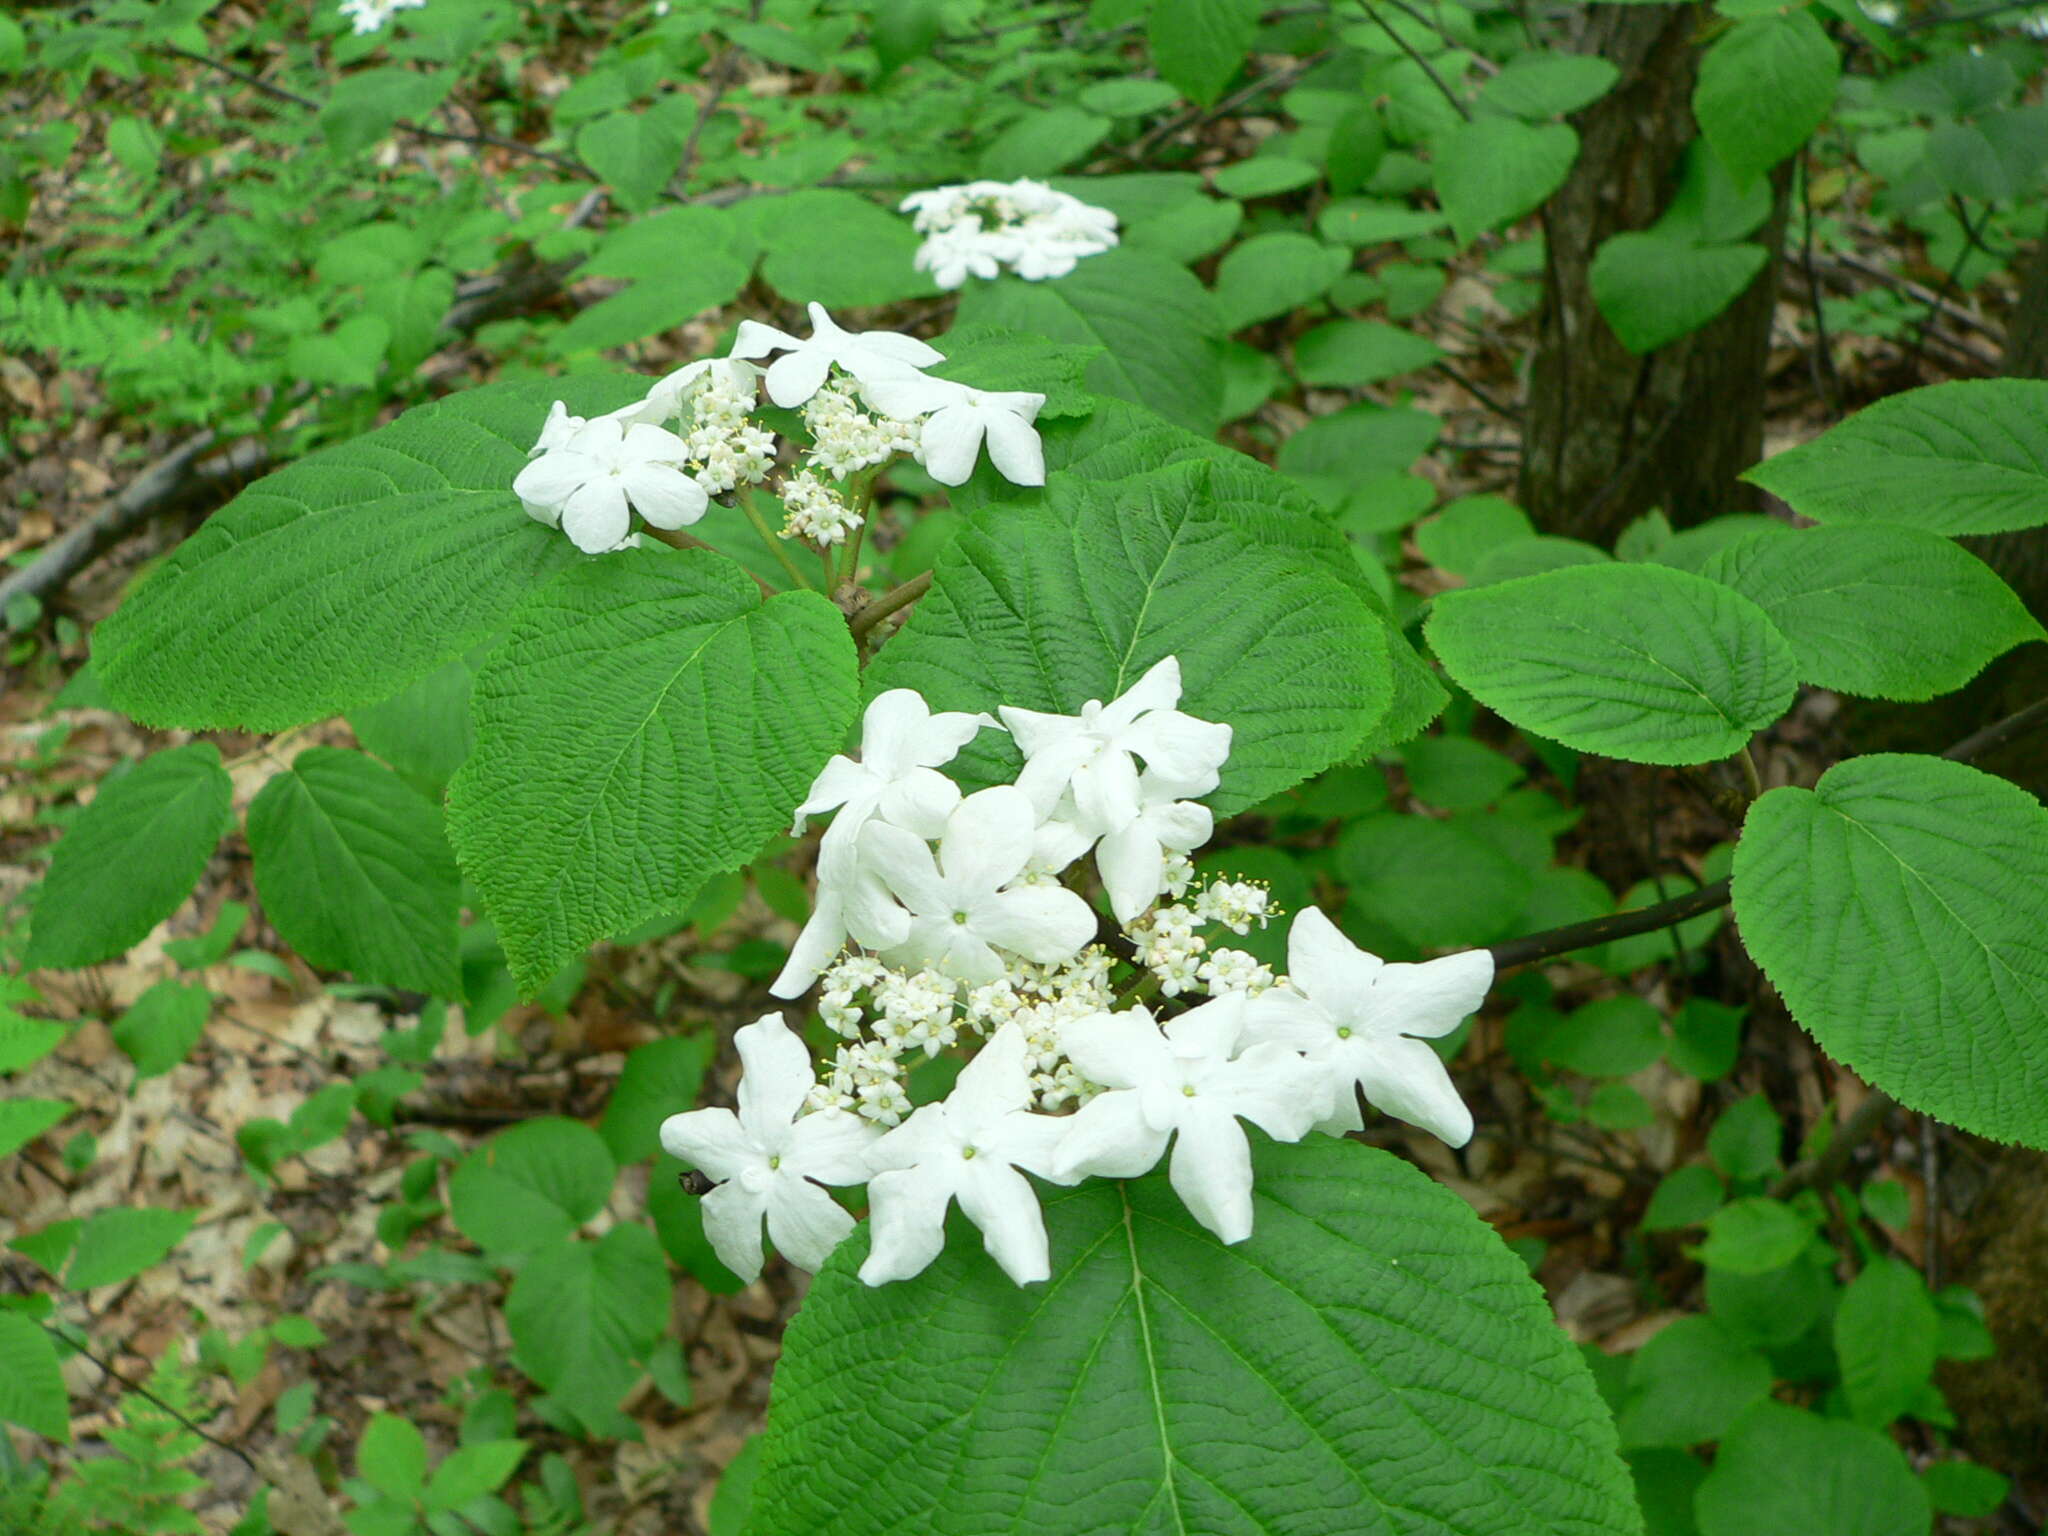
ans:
(132, 858)
(1784, 1469)
(1763, 87)
(1492, 170)
(1146, 1396)
(1633, 661)
(142, 1487)
(160, 1028)
(121, 1242)
(31, 1382)
(600, 797)
(531, 1186)
(1931, 982)
(584, 1316)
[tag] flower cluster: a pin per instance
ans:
(979, 227)
(370, 15)
(692, 438)
(947, 920)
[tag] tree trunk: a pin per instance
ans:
(1609, 435)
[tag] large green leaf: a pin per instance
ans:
(1198, 44)
(837, 249)
(131, 858)
(344, 577)
(637, 152)
(1653, 289)
(122, 1241)
(1886, 612)
(584, 1315)
(1969, 457)
(1156, 325)
(1901, 908)
(1639, 662)
(1372, 1360)
(354, 870)
(1784, 1470)
(31, 1381)
(1271, 274)
(1076, 599)
(649, 722)
(1763, 88)
(531, 1186)
(1886, 1336)
(1492, 170)
(680, 261)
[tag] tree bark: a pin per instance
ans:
(1610, 435)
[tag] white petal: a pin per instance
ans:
(1105, 789)
(923, 1138)
(1184, 749)
(987, 841)
(1210, 1032)
(732, 1221)
(758, 340)
(831, 1146)
(873, 917)
(1275, 1089)
(805, 1223)
(1056, 844)
(1050, 770)
(1133, 868)
(907, 1212)
(1031, 1142)
(1329, 967)
(1014, 448)
(796, 376)
(665, 496)
(893, 347)
(595, 516)
(944, 734)
(644, 443)
(839, 781)
(710, 1139)
(996, 1083)
(1182, 825)
(964, 955)
(1284, 1016)
(1430, 999)
(920, 801)
(1211, 1171)
(890, 728)
(1043, 923)
(1109, 1136)
(822, 938)
(1118, 1050)
(553, 477)
(950, 444)
(1001, 1201)
(1159, 688)
(1037, 732)
(1406, 1079)
(912, 394)
(775, 1077)
(901, 861)
(550, 515)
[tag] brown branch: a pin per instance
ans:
(863, 623)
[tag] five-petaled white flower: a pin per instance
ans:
(902, 746)
(1090, 754)
(967, 1148)
(766, 1156)
(1353, 1015)
(961, 908)
(959, 420)
(588, 480)
(801, 372)
(664, 401)
(1132, 857)
(1189, 1082)
(852, 903)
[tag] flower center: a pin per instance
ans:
(960, 919)
(966, 1154)
(774, 1162)
(1188, 1089)
(1343, 1031)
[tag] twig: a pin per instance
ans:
(1505, 412)
(1919, 293)
(1833, 1162)
(1996, 735)
(1420, 62)
(1277, 80)
(143, 1392)
(1826, 382)
(721, 81)
(889, 602)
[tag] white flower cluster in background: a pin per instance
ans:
(370, 15)
(978, 228)
(865, 398)
(947, 920)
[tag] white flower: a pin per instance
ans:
(589, 479)
(962, 905)
(852, 903)
(1353, 1014)
(902, 747)
(1090, 753)
(1132, 857)
(556, 431)
(815, 511)
(766, 1157)
(1187, 1083)
(954, 255)
(730, 376)
(976, 228)
(960, 420)
(370, 15)
(968, 1149)
(867, 355)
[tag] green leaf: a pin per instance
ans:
(842, 251)
(1129, 97)
(1157, 327)
(1886, 1330)
(160, 1028)
(422, 731)
(1877, 610)
(473, 1471)
(1265, 176)
(1269, 275)
(31, 1382)
(1750, 1237)
(1638, 662)
(989, 358)
(350, 574)
(131, 858)
(601, 796)
(582, 1315)
(212, 946)
(355, 872)
(347, 357)
(1123, 575)
(1548, 84)
(531, 1186)
(1043, 141)
(1456, 773)
(1763, 87)
(1492, 170)
(1780, 1469)
(903, 30)
(1199, 44)
(1744, 1141)
(23, 1120)
(637, 152)
(660, 1079)
(733, 1504)
(1685, 1197)
(1357, 443)
(1609, 1038)
(392, 1456)
(1653, 289)
(366, 105)
(1931, 983)
(1968, 457)
(1322, 1376)
(1434, 883)
(120, 1243)
(25, 1041)
(1689, 1383)
(1458, 538)
(1374, 221)
(1964, 1488)
(665, 292)
(1348, 353)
